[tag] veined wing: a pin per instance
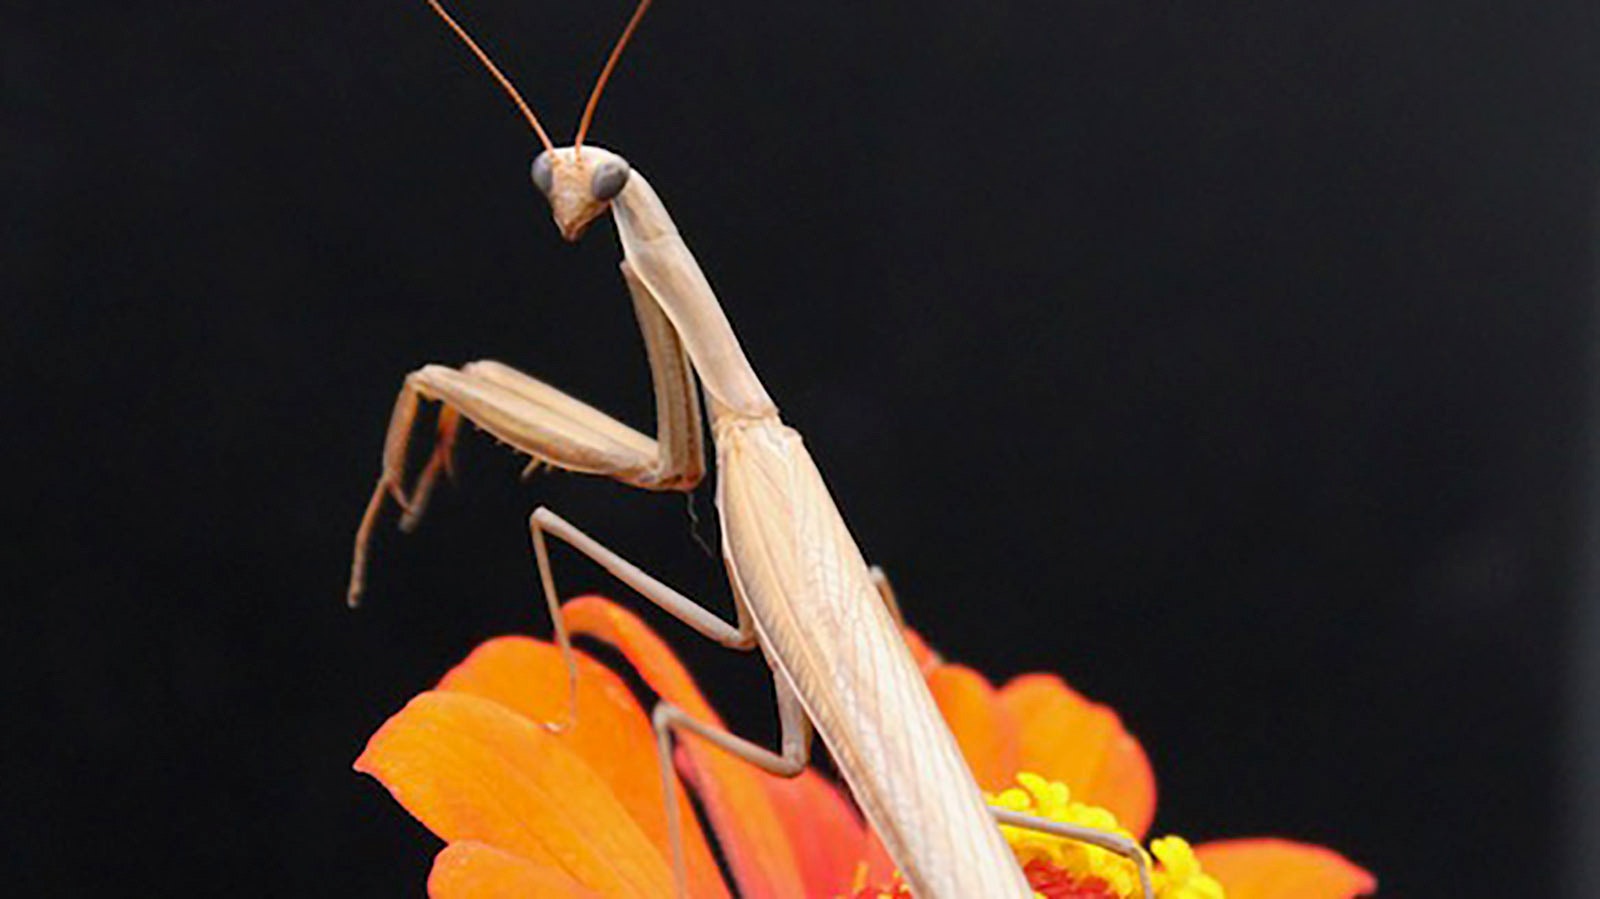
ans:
(825, 628)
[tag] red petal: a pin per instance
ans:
(985, 729)
(610, 733)
(469, 870)
(1065, 737)
(734, 792)
(471, 769)
(880, 867)
(1281, 869)
(829, 839)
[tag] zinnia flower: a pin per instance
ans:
(527, 812)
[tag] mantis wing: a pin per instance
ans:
(824, 627)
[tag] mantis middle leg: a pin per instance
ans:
(543, 521)
(667, 718)
(796, 728)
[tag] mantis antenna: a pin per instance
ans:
(802, 593)
(605, 73)
(505, 82)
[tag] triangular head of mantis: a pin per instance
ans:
(580, 184)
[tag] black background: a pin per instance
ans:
(1229, 359)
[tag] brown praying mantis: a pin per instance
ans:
(802, 591)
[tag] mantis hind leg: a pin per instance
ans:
(1111, 842)
(880, 582)
(1126, 847)
(790, 761)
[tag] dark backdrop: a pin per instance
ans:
(1228, 359)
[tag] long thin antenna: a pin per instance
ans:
(499, 76)
(605, 73)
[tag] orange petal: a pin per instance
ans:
(985, 729)
(469, 870)
(921, 652)
(1281, 869)
(610, 733)
(471, 769)
(734, 791)
(1065, 737)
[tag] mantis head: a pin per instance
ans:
(580, 182)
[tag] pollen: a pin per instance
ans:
(860, 889)
(1062, 868)
(898, 891)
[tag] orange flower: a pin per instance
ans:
(526, 812)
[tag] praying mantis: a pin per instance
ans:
(803, 593)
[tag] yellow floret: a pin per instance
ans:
(1175, 871)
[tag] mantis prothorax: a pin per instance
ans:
(802, 591)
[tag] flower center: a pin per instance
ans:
(1048, 881)
(1063, 868)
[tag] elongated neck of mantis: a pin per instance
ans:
(659, 257)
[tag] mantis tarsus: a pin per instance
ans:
(802, 591)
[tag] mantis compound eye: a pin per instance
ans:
(542, 177)
(609, 179)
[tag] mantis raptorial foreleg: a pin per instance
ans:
(794, 566)
(548, 425)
